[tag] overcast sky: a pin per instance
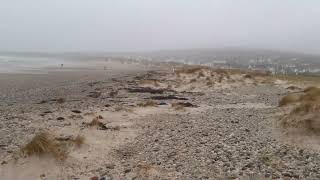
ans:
(135, 25)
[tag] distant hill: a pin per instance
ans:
(233, 54)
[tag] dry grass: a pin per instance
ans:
(220, 78)
(305, 113)
(148, 103)
(311, 94)
(301, 79)
(78, 140)
(201, 74)
(307, 107)
(305, 116)
(289, 99)
(248, 76)
(114, 93)
(178, 106)
(43, 143)
(210, 83)
(122, 108)
(95, 122)
(61, 100)
(153, 82)
(310, 89)
(118, 108)
(40, 144)
(221, 71)
(190, 70)
(193, 80)
(182, 105)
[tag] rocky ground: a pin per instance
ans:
(227, 130)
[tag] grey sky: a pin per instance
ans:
(130, 25)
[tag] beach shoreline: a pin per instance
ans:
(143, 121)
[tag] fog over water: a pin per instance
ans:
(143, 25)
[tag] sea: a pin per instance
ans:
(28, 64)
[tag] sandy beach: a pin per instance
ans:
(132, 121)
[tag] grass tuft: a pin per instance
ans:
(305, 113)
(306, 107)
(289, 99)
(311, 94)
(43, 143)
(148, 103)
(190, 70)
(248, 76)
(61, 100)
(95, 122)
(40, 144)
(193, 80)
(201, 74)
(79, 140)
(310, 89)
(305, 116)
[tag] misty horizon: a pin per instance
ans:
(144, 26)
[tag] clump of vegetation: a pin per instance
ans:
(193, 80)
(78, 140)
(248, 76)
(310, 89)
(178, 107)
(122, 108)
(201, 74)
(220, 78)
(210, 83)
(114, 93)
(43, 143)
(190, 70)
(289, 99)
(153, 82)
(182, 105)
(305, 113)
(96, 122)
(148, 103)
(311, 94)
(306, 107)
(221, 71)
(61, 100)
(305, 116)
